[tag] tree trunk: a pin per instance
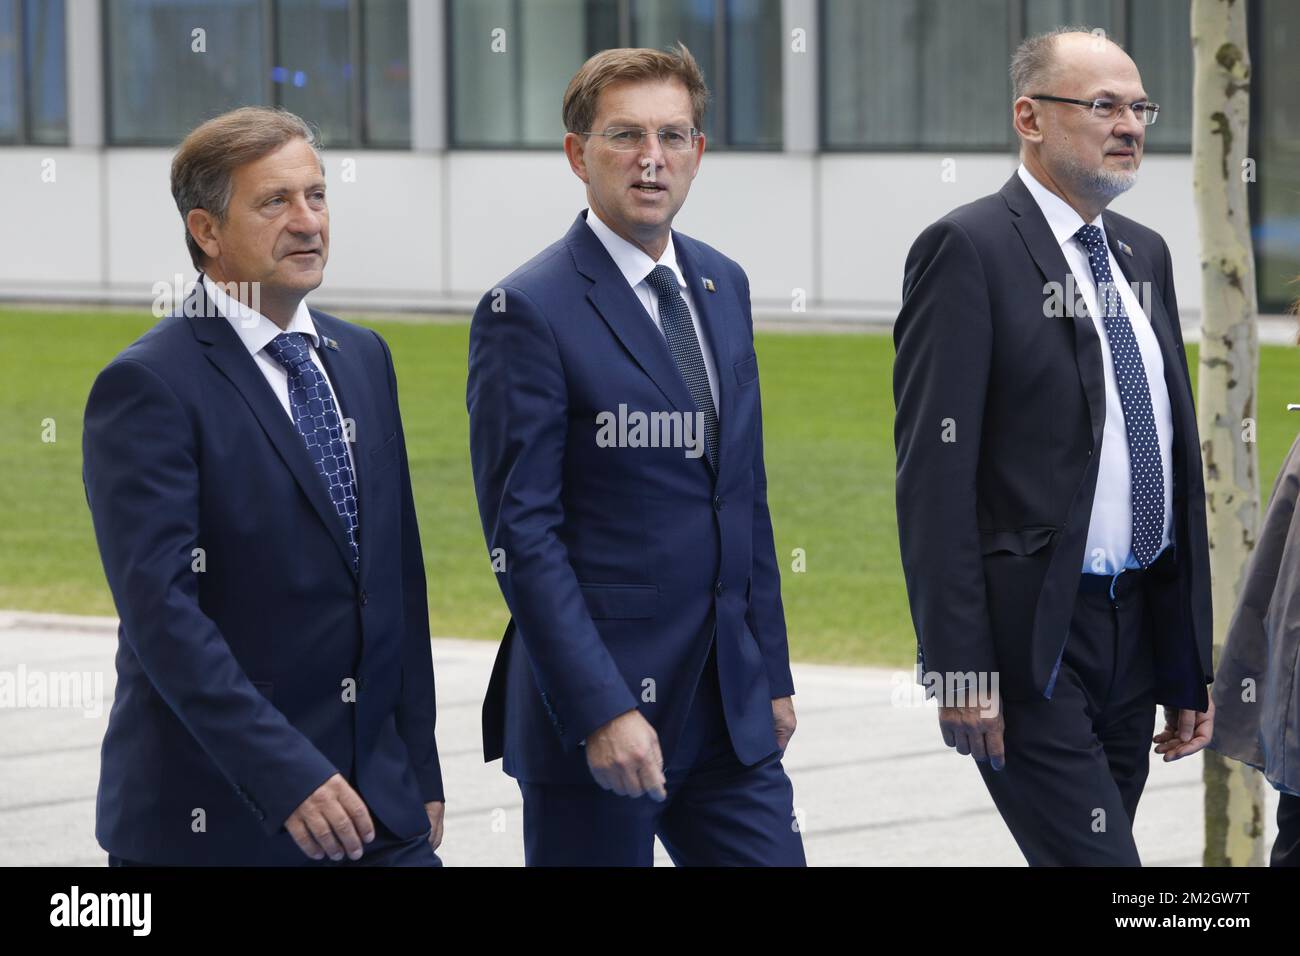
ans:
(1229, 367)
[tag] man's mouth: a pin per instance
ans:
(305, 252)
(649, 188)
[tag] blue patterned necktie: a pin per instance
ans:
(1145, 468)
(675, 317)
(317, 420)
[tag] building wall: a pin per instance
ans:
(435, 230)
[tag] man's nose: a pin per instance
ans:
(305, 219)
(1128, 126)
(652, 149)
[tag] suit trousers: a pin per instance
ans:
(1286, 848)
(719, 812)
(1076, 763)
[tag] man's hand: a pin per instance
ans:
(975, 731)
(1186, 731)
(332, 820)
(434, 809)
(624, 756)
(783, 721)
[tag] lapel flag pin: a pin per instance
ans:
(330, 343)
(708, 284)
(1124, 247)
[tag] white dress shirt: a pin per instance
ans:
(256, 332)
(1110, 531)
(635, 266)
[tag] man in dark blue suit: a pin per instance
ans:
(1051, 509)
(643, 685)
(247, 475)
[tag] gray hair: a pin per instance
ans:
(202, 167)
(1035, 59)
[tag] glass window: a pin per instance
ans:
(932, 74)
(513, 59)
(1276, 149)
(164, 79)
(10, 67)
(1044, 15)
(755, 50)
(45, 77)
(312, 74)
(387, 58)
(916, 74)
(511, 62)
(662, 23)
(1160, 42)
(33, 72)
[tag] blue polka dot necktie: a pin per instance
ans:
(679, 330)
(317, 420)
(1146, 471)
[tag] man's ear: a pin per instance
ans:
(1024, 117)
(202, 227)
(575, 147)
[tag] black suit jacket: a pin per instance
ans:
(1000, 400)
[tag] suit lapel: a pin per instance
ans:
(1047, 255)
(225, 350)
(625, 315)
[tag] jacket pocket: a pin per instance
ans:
(746, 370)
(384, 455)
(1021, 541)
(625, 602)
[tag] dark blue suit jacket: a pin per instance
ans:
(618, 561)
(230, 680)
(993, 526)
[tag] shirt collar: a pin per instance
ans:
(631, 260)
(1062, 218)
(253, 328)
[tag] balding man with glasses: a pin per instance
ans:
(1051, 507)
(643, 684)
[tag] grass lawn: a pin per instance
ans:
(828, 414)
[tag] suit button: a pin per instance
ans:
(717, 589)
(718, 502)
(364, 598)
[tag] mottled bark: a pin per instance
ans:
(1229, 365)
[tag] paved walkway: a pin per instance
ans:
(873, 783)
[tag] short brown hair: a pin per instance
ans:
(619, 66)
(1034, 61)
(202, 167)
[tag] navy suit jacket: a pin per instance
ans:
(230, 679)
(617, 563)
(993, 525)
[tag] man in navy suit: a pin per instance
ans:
(247, 477)
(1051, 510)
(643, 684)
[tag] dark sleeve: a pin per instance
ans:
(417, 710)
(142, 484)
(518, 425)
(765, 614)
(943, 347)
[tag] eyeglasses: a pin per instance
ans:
(1106, 108)
(631, 137)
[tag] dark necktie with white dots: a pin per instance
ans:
(317, 420)
(679, 330)
(1145, 468)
